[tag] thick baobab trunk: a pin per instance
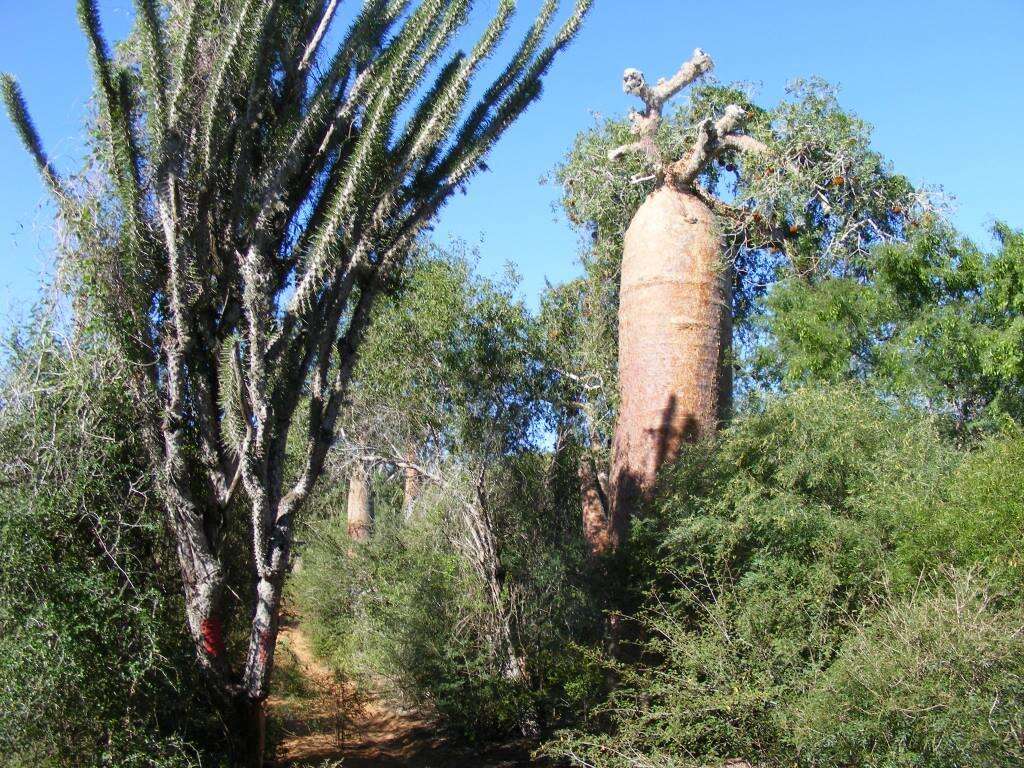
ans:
(360, 505)
(675, 328)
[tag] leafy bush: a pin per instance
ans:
(95, 668)
(933, 322)
(931, 682)
(408, 608)
(978, 522)
(405, 610)
(813, 523)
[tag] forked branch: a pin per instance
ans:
(713, 137)
(646, 123)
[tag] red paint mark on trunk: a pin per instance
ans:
(213, 637)
(264, 647)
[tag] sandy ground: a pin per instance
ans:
(323, 722)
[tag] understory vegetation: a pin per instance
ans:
(825, 588)
(94, 667)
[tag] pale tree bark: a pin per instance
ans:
(674, 337)
(360, 504)
(412, 485)
(675, 310)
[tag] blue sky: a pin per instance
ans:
(940, 81)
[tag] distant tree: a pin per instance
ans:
(691, 216)
(470, 594)
(260, 192)
(359, 505)
(447, 389)
(580, 347)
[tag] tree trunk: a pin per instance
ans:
(204, 591)
(266, 619)
(412, 487)
(594, 497)
(248, 730)
(675, 330)
(360, 505)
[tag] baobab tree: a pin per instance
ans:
(675, 297)
(261, 191)
(687, 252)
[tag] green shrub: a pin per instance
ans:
(405, 611)
(978, 521)
(767, 556)
(409, 610)
(932, 682)
(95, 667)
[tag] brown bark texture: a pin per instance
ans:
(412, 487)
(596, 528)
(675, 329)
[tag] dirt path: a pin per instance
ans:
(321, 722)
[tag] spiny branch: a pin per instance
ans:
(18, 112)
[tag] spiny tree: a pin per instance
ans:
(692, 215)
(264, 189)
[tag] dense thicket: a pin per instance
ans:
(825, 588)
(469, 596)
(95, 665)
(265, 179)
(834, 580)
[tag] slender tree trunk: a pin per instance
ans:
(594, 498)
(486, 558)
(360, 505)
(412, 486)
(675, 329)
(263, 632)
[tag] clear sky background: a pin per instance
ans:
(941, 81)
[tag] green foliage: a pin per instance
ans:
(578, 325)
(409, 608)
(977, 523)
(483, 575)
(95, 667)
(933, 322)
(450, 360)
(815, 523)
(933, 681)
